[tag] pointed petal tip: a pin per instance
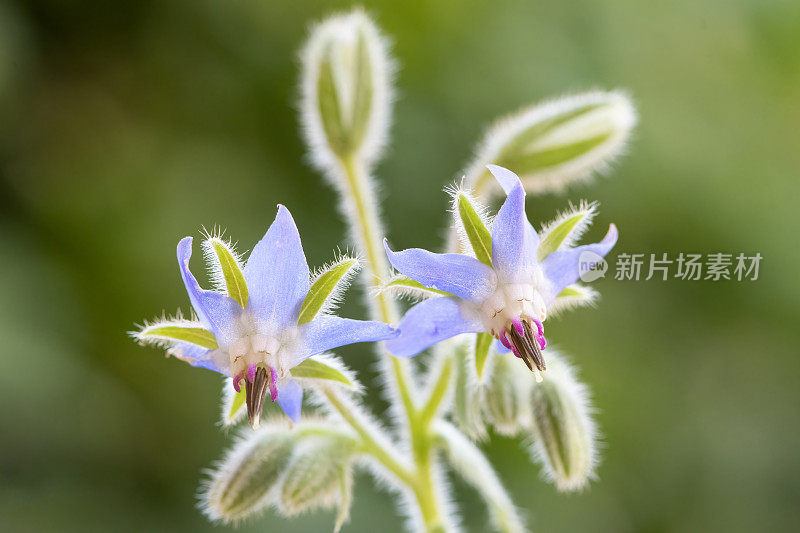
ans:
(507, 179)
(612, 235)
(185, 248)
(284, 216)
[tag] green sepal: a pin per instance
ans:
(557, 235)
(231, 271)
(477, 232)
(238, 401)
(569, 291)
(363, 92)
(316, 369)
(404, 284)
(194, 335)
(328, 103)
(550, 157)
(324, 286)
(516, 155)
(483, 341)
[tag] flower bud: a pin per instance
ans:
(555, 143)
(505, 395)
(563, 427)
(466, 394)
(319, 475)
(346, 90)
(244, 482)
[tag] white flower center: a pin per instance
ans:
(259, 344)
(509, 302)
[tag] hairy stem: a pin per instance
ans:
(437, 393)
(366, 229)
(372, 443)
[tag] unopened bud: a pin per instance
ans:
(563, 427)
(244, 482)
(466, 395)
(346, 90)
(506, 395)
(319, 474)
(555, 143)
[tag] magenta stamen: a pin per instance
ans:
(507, 343)
(236, 379)
(251, 372)
(518, 326)
(540, 334)
(273, 389)
(504, 341)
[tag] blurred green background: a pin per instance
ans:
(127, 125)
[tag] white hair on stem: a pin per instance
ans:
(472, 465)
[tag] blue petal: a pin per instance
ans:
(290, 398)
(507, 179)
(562, 268)
(499, 348)
(328, 332)
(216, 311)
(429, 322)
(459, 274)
(514, 241)
(277, 274)
(200, 357)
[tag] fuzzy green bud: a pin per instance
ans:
(246, 479)
(346, 90)
(553, 144)
(563, 427)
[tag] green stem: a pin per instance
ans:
(437, 394)
(367, 231)
(369, 441)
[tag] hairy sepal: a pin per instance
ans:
(327, 287)
(401, 286)
(225, 267)
(167, 332)
(565, 230)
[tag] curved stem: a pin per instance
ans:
(371, 443)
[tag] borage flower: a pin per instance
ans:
(262, 321)
(505, 290)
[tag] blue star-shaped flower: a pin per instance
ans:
(508, 299)
(257, 340)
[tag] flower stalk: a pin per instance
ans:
(421, 479)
